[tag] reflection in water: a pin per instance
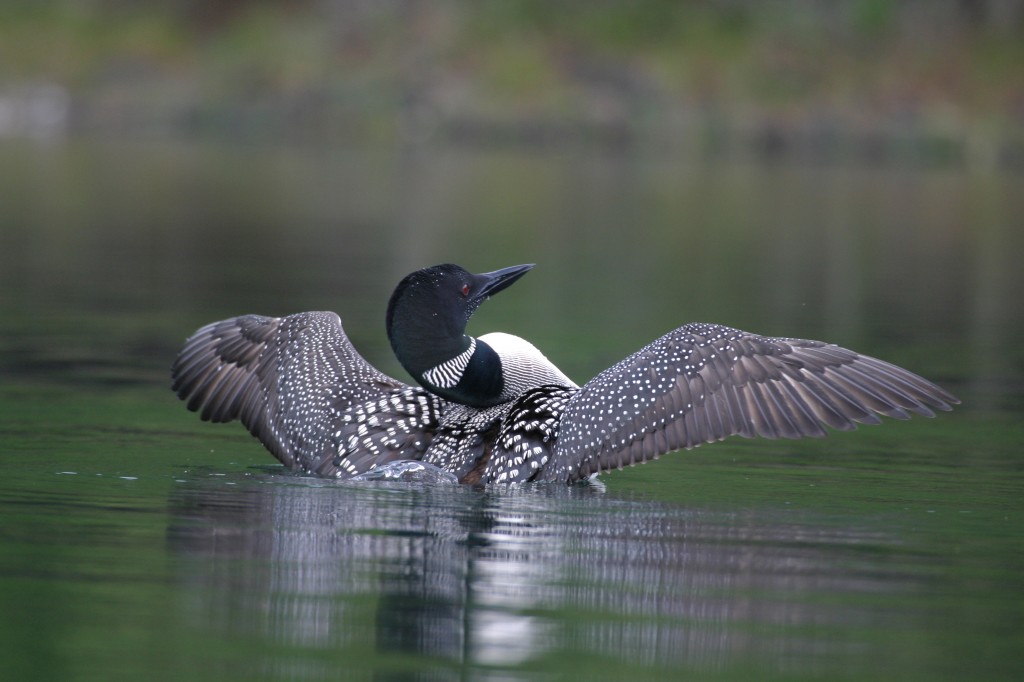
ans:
(503, 577)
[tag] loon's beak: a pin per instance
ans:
(491, 283)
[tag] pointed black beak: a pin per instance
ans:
(490, 283)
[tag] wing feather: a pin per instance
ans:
(285, 378)
(703, 382)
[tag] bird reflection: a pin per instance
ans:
(503, 577)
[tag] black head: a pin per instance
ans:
(429, 310)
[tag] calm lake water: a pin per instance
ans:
(138, 543)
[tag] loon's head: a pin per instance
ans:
(426, 323)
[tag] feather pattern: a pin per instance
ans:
(285, 378)
(399, 425)
(703, 382)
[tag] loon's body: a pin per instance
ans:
(494, 409)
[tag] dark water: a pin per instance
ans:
(137, 542)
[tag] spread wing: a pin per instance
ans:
(285, 378)
(704, 382)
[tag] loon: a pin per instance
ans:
(494, 409)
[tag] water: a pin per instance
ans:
(138, 542)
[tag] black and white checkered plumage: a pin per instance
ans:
(493, 409)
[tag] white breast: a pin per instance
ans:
(524, 367)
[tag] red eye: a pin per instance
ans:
(465, 290)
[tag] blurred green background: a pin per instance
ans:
(932, 80)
